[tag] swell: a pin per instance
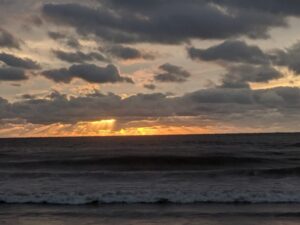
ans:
(176, 174)
(151, 198)
(140, 162)
(275, 172)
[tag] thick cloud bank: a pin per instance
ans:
(170, 21)
(217, 104)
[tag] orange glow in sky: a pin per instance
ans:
(98, 128)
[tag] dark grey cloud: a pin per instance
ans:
(215, 104)
(73, 43)
(127, 53)
(67, 40)
(15, 61)
(88, 72)
(172, 73)
(218, 102)
(150, 86)
(286, 7)
(240, 76)
(231, 51)
(162, 21)
(27, 96)
(288, 57)
(136, 5)
(60, 108)
(56, 35)
(36, 20)
(7, 40)
(12, 74)
(78, 56)
(255, 64)
(246, 63)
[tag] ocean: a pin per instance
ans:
(201, 179)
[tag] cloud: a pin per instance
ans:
(150, 86)
(36, 20)
(216, 104)
(73, 43)
(7, 40)
(128, 53)
(14, 61)
(78, 56)
(88, 72)
(58, 107)
(231, 51)
(287, 7)
(288, 57)
(240, 76)
(69, 41)
(162, 21)
(172, 73)
(12, 74)
(56, 35)
(118, 25)
(285, 100)
(246, 63)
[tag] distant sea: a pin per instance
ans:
(204, 179)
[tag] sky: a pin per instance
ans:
(131, 67)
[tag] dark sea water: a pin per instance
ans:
(211, 179)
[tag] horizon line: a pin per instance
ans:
(154, 135)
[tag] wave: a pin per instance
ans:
(79, 198)
(208, 173)
(275, 172)
(140, 162)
